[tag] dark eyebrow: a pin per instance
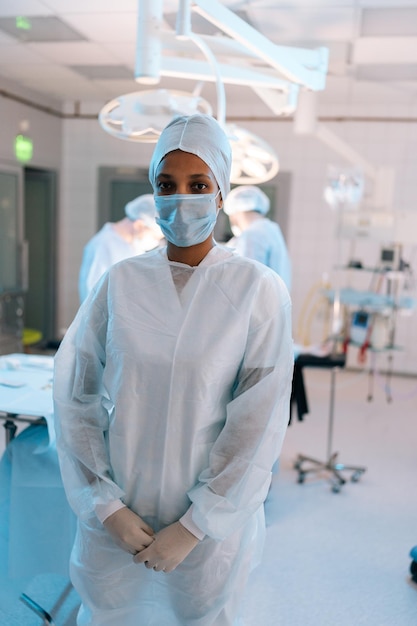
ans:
(191, 176)
(200, 176)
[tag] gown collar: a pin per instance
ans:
(217, 254)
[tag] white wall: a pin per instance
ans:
(44, 129)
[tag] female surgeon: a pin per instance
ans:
(172, 391)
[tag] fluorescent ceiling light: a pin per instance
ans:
(103, 72)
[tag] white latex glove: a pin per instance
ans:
(171, 546)
(128, 530)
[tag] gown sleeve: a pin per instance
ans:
(237, 481)
(82, 409)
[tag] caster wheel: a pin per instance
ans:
(336, 487)
(413, 571)
(356, 476)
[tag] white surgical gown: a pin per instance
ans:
(264, 242)
(103, 250)
(172, 391)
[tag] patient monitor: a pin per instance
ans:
(390, 257)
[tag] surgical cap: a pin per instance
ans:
(246, 198)
(201, 135)
(141, 208)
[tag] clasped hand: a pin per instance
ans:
(128, 530)
(170, 547)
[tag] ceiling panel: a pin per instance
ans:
(363, 38)
(305, 24)
(23, 7)
(384, 50)
(387, 73)
(105, 27)
(74, 53)
(393, 22)
(123, 52)
(17, 54)
(39, 28)
(64, 7)
(102, 72)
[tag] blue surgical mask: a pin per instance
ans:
(186, 219)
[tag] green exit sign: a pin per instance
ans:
(23, 148)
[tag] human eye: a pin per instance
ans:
(199, 187)
(163, 186)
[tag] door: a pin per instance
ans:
(117, 187)
(12, 259)
(40, 231)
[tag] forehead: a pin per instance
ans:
(185, 163)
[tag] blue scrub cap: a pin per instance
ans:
(142, 207)
(246, 198)
(201, 135)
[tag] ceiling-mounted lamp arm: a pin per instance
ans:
(183, 25)
(148, 42)
(184, 32)
(296, 65)
(220, 91)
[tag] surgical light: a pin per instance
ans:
(141, 116)
(253, 160)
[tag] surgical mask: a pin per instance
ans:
(186, 219)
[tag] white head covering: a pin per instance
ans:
(246, 198)
(201, 135)
(141, 208)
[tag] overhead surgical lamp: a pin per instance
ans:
(142, 115)
(253, 160)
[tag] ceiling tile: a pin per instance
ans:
(123, 52)
(62, 7)
(305, 24)
(379, 50)
(38, 28)
(389, 22)
(18, 54)
(74, 53)
(387, 73)
(109, 27)
(23, 7)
